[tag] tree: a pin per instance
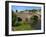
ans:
(34, 20)
(21, 11)
(34, 11)
(14, 16)
(16, 10)
(30, 10)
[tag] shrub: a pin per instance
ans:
(34, 20)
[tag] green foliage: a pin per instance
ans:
(14, 17)
(16, 10)
(21, 11)
(30, 10)
(15, 20)
(34, 20)
(34, 11)
(18, 24)
(23, 26)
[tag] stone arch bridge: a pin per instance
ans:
(25, 16)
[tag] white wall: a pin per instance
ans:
(2, 19)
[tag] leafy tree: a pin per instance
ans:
(30, 10)
(21, 11)
(34, 11)
(16, 10)
(15, 22)
(14, 16)
(34, 20)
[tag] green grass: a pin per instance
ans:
(23, 26)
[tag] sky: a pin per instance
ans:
(21, 8)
